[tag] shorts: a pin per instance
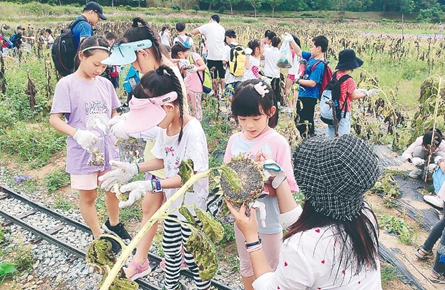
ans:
(271, 246)
(86, 181)
(219, 71)
(291, 77)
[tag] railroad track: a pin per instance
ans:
(63, 223)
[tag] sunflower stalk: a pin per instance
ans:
(161, 214)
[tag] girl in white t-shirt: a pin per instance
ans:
(164, 35)
(253, 65)
(271, 70)
(191, 79)
(291, 73)
(181, 137)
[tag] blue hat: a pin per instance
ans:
(125, 53)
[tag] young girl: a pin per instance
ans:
(181, 137)
(253, 60)
(192, 79)
(164, 35)
(290, 80)
(271, 70)
(88, 101)
(254, 108)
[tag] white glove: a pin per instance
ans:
(122, 173)
(418, 161)
(248, 51)
(438, 159)
(193, 69)
(85, 138)
(266, 80)
(287, 37)
(117, 119)
(137, 190)
(183, 62)
(373, 92)
(273, 170)
(432, 167)
(118, 132)
(406, 156)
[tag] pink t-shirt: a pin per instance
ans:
(88, 106)
(347, 88)
(191, 80)
(277, 147)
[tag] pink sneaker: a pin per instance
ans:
(142, 270)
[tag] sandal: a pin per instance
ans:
(423, 254)
(438, 280)
(142, 269)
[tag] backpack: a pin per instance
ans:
(332, 93)
(131, 80)
(206, 79)
(15, 41)
(327, 76)
(237, 61)
(64, 50)
(186, 42)
(114, 71)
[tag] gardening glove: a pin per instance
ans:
(266, 80)
(274, 170)
(192, 69)
(438, 159)
(287, 37)
(122, 173)
(418, 161)
(137, 190)
(85, 138)
(183, 62)
(248, 51)
(432, 167)
(369, 93)
(118, 132)
(117, 119)
(406, 156)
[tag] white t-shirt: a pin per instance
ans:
(295, 65)
(254, 64)
(215, 35)
(226, 57)
(165, 38)
(271, 56)
(193, 146)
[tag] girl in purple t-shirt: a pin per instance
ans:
(88, 101)
(254, 108)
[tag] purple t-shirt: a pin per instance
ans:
(87, 105)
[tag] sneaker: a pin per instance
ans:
(115, 246)
(433, 200)
(117, 230)
(142, 269)
(416, 173)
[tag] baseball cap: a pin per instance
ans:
(124, 53)
(20, 27)
(96, 8)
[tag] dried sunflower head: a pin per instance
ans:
(251, 178)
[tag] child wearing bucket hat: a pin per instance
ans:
(158, 101)
(333, 244)
(347, 61)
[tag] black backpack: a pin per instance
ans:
(64, 50)
(332, 92)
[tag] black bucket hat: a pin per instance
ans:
(334, 174)
(347, 60)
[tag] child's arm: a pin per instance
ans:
(55, 120)
(200, 65)
(307, 83)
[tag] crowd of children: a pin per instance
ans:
(165, 110)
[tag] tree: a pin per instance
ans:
(255, 4)
(231, 3)
(274, 4)
(407, 6)
(320, 4)
(210, 3)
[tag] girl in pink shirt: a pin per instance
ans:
(193, 76)
(254, 108)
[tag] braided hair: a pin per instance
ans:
(143, 32)
(159, 82)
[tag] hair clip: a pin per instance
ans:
(160, 71)
(261, 89)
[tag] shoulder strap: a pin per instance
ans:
(75, 22)
(192, 61)
(343, 78)
(315, 64)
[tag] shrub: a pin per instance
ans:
(221, 10)
(196, 8)
(56, 179)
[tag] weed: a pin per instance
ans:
(398, 227)
(56, 179)
(23, 258)
(229, 233)
(388, 188)
(388, 272)
(62, 203)
(6, 270)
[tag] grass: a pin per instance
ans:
(388, 272)
(56, 179)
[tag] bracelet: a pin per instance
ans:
(248, 245)
(137, 166)
(254, 248)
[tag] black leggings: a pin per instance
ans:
(305, 112)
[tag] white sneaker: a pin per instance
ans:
(433, 200)
(415, 173)
(211, 93)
